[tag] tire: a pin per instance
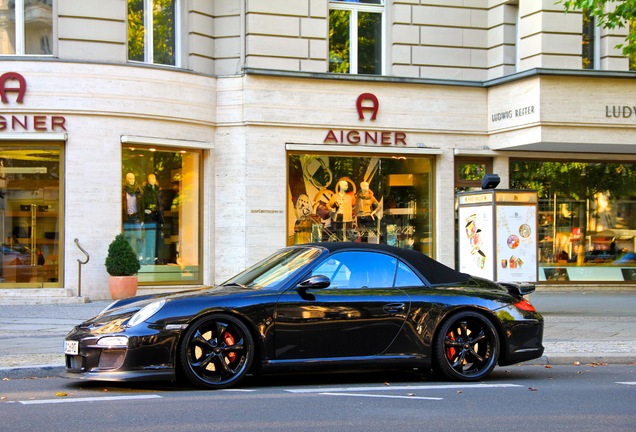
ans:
(216, 352)
(466, 347)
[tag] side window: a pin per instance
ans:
(406, 277)
(359, 270)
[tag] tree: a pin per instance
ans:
(623, 15)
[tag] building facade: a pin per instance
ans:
(211, 133)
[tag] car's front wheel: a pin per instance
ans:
(216, 352)
(466, 347)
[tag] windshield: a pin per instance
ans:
(275, 270)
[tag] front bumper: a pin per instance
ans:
(149, 354)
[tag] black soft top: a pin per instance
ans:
(435, 272)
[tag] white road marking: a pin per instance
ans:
(88, 399)
(381, 396)
(394, 388)
(627, 383)
(237, 390)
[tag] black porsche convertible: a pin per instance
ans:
(330, 306)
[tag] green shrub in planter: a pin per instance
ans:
(121, 259)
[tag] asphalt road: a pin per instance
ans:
(520, 398)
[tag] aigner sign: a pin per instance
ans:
(366, 103)
(13, 88)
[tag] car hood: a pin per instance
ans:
(129, 306)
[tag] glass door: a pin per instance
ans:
(30, 215)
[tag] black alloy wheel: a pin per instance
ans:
(466, 347)
(216, 352)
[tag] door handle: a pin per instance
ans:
(394, 308)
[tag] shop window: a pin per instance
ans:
(153, 31)
(587, 218)
(371, 199)
(30, 215)
(470, 171)
(161, 213)
(356, 36)
(27, 27)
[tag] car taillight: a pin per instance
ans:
(525, 305)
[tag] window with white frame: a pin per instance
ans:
(154, 31)
(26, 27)
(356, 36)
(590, 43)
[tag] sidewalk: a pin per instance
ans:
(580, 326)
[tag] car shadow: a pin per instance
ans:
(307, 379)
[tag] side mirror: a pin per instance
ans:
(314, 282)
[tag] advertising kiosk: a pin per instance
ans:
(497, 233)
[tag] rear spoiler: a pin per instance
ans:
(518, 288)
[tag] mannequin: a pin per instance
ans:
(153, 218)
(366, 208)
(341, 207)
(132, 205)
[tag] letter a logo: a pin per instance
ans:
(361, 109)
(19, 90)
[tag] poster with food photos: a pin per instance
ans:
(516, 243)
(476, 242)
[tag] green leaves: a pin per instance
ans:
(610, 14)
(121, 259)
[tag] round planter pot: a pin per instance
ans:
(122, 286)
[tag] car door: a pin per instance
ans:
(359, 314)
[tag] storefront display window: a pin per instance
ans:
(161, 213)
(374, 199)
(30, 215)
(587, 218)
(470, 171)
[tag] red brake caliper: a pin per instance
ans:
(450, 352)
(229, 340)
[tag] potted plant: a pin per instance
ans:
(122, 265)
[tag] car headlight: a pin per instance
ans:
(146, 312)
(113, 342)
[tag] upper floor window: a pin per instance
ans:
(356, 36)
(591, 41)
(153, 31)
(632, 55)
(26, 27)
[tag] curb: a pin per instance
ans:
(582, 359)
(25, 372)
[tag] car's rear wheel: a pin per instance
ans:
(466, 347)
(216, 352)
